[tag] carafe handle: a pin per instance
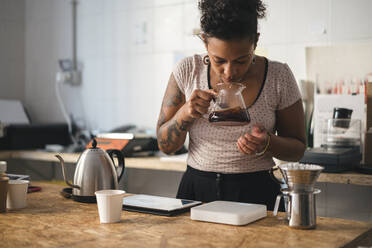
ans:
(289, 206)
(121, 161)
(277, 202)
(272, 175)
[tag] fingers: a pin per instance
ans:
(199, 102)
(253, 139)
(258, 130)
(250, 144)
(196, 111)
(246, 148)
(207, 94)
(204, 95)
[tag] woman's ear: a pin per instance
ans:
(203, 37)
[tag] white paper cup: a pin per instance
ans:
(17, 194)
(110, 203)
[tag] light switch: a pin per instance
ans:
(317, 28)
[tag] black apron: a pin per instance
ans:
(255, 187)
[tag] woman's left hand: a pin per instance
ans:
(254, 142)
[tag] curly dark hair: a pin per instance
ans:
(231, 19)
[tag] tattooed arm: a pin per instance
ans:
(177, 115)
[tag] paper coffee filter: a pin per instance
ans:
(300, 177)
(300, 166)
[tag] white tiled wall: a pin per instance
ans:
(352, 20)
(12, 32)
(127, 50)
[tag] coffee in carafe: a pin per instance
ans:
(236, 114)
(229, 106)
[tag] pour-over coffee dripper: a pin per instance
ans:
(299, 194)
(229, 107)
(300, 177)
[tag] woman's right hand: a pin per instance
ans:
(177, 115)
(198, 104)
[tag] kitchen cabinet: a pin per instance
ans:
(50, 220)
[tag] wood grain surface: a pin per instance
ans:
(53, 221)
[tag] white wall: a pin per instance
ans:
(128, 48)
(293, 25)
(12, 65)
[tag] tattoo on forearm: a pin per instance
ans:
(174, 100)
(184, 125)
(170, 130)
(162, 118)
(173, 131)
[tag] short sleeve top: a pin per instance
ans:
(214, 148)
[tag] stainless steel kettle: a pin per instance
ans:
(95, 170)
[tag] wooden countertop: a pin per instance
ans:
(156, 163)
(53, 221)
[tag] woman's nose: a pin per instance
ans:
(228, 71)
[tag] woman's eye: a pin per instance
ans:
(241, 62)
(219, 61)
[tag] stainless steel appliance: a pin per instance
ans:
(341, 145)
(95, 171)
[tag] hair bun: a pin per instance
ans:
(229, 19)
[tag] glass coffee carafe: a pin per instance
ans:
(229, 106)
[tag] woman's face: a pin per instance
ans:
(230, 60)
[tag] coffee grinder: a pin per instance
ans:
(341, 143)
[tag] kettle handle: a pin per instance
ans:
(121, 160)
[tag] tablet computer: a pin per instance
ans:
(157, 204)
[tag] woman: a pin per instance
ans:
(232, 162)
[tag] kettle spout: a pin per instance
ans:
(62, 162)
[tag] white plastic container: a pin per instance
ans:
(226, 212)
(109, 204)
(3, 186)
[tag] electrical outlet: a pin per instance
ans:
(70, 77)
(75, 77)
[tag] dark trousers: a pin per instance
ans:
(255, 187)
